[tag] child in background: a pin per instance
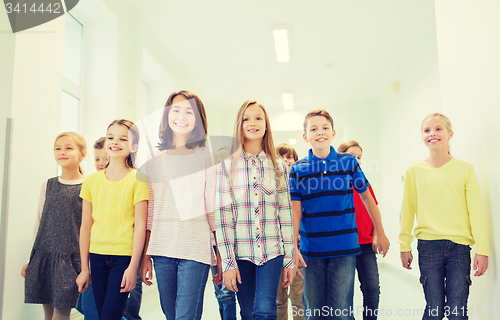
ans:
(289, 156)
(321, 187)
(181, 209)
(113, 223)
(366, 262)
(443, 194)
(253, 217)
(55, 257)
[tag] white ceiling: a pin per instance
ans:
(340, 50)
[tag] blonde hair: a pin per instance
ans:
(131, 159)
(267, 140)
(348, 144)
(441, 117)
(80, 143)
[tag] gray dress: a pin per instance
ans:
(55, 257)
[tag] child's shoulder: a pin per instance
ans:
(94, 176)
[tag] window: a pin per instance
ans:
(72, 93)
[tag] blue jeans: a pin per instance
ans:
(444, 274)
(226, 299)
(259, 288)
(86, 304)
(134, 300)
(181, 285)
(329, 287)
(366, 265)
(107, 274)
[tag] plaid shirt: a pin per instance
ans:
(256, 225)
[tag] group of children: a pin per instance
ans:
(257, 204)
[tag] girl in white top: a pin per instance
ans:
(181, 209)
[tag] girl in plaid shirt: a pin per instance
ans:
(253, 216)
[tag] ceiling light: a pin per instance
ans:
(287, 101)
(281, 45)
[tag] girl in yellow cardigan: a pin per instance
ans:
(443, 194)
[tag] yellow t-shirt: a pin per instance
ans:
(113, 207)
(446, 203)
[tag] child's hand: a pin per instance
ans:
(83, 280)
(23, 270)
(297, 258)
(217, 279)
(406, 259)
(146, 270)
(288, 275)
(230, 277)
(480, 264)
(382, 244)
(129, 280)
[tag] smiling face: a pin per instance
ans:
(119, 142)
(181, 118)
(435, 134)
(319, 133)
(101, 159)
(254, 123)
(67, 153)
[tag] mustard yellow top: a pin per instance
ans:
(446, 202)
(113, 204)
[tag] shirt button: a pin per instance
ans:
(324, 161)
(258, 246)
(254, 178)
(257, 210)
(257, 228)
(255, 194)
(324, 172)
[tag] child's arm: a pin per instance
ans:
(406, 259)
(285, 220)
(406, 220)
(297, 217)
(130, 275)
(146, 264)
(381, 240)
(83, 279)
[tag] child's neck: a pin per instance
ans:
(117, 169)
(254, 147)
(71, 174)
(438, 158)
(181, 150)
(321, 153)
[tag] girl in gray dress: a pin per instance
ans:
(55, 258)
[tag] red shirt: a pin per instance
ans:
(363, 220)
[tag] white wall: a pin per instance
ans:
(469, 66)
(400, 116)
(36, 101)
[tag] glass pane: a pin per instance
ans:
(70, 113)
(73, 48)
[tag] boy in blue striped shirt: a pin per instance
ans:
(321, 187)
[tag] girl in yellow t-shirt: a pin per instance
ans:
(113, 223)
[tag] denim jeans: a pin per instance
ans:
(107, 274)
(445, 277)
(329, 287)
(86, 304)
(366, 265)
(181, 285)
(134, 300)
(258, 289)
(226, 299)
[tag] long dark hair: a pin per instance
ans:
(198, 136)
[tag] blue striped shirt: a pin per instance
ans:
(324, 186)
